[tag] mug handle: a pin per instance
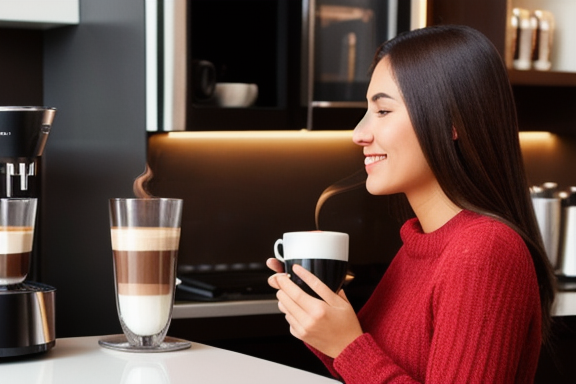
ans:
(276, 252)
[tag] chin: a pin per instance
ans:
(375, 189)
(375, 186)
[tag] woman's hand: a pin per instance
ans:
(329, 325)
(275, 265)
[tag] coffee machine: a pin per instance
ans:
(27, 312)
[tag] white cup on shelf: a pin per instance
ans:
(235, 95)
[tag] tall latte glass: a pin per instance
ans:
(145, 234)
(17, 219)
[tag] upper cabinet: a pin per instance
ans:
(302, 63)
(38, 14)
(495, 19)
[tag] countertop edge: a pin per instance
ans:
(190, 310)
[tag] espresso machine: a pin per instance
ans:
(27, 313)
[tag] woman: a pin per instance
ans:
(468, 296)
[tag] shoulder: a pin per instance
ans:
(476, 229)
(479, 240)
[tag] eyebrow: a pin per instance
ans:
(381, 95)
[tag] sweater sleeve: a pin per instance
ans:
(484, 313)
(366, 362)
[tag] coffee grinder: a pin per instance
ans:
(27, 314)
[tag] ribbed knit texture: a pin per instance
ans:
(459, 305)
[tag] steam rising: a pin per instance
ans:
(349, 183)
(354, 181)
(140, 184)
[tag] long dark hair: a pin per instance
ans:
(452, 78)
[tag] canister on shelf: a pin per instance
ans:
(567, 256)
(547, 207)
(524, 25)
(543, 43)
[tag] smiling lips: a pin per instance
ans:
(373, 159)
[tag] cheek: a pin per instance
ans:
(414, 160)
(405, 167)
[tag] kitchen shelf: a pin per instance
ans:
(39, 14)
(562, 52)
(542, 78)
(492, 18)
(552, 91)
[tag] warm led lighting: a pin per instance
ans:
(260, 134)
(538, 141)
(539, 136)
(525, 137)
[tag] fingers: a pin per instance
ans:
(278, 267)
(295, 292)
(275, 265)
(316, 321)
(289, 297)
(292, 300)
(295, 327)
(273, 280)
(315, 284)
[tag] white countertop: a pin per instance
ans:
(82, 360)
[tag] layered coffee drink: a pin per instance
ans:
(15, 249)
(145, 263)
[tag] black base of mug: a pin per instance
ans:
(331, 272)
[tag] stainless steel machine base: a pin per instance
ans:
(27, 319)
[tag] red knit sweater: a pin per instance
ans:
(459, 305)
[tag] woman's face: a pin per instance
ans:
(394, 160)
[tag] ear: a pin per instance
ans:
(454, 133)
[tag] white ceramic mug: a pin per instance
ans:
(324, 253)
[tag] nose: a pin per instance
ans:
(362, 134)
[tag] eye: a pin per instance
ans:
(382, 112)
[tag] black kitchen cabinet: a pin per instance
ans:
(249, 41)
(309, 59)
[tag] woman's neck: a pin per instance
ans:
(433, 208)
